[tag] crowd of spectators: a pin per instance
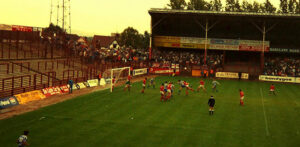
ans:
(213, 60)
(282, 66)
(90, 54)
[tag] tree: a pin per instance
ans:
(52, 29)
(237, 6)
(297, 10)
(197, 5)
(292, 6)
(230, 5)
(145, 40)
(269, 8)
(130, 38)
(283, 7)
(177, 4)
(256, 7)
(233, 5)
(217, 5)
(246, 6)
(209, 5)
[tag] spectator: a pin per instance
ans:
(71, 85)
(282, 66)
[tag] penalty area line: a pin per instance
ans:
(266, 122)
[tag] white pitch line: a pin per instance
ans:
(266, 122)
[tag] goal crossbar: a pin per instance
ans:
(112, 75)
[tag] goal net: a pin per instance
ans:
(118, 74)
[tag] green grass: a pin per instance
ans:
(104, 119)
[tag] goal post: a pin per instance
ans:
(119, 74)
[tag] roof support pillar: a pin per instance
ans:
(262, 61)
(264, 31)
(151, 34)
(206, 29)
(150, 43)
(205, 47)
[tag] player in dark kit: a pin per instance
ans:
(211, 104)
(272, 89)
(70, 82)
(127, 85)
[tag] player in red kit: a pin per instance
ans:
(241, 98)
(144, 85)
(128, 77)
(187, 85)
(169, 90)
(162, 92)
(201, 86)
(272, 89)
(113, 83)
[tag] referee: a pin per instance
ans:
(211, 104)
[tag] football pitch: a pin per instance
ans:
(134, 119)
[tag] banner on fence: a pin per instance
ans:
(80, 86)
(254, 45)
(93, 82)
(65, 88)
(192, 40)
(172, 39)
(225, 42)
(108, 80)
(74, 87)
(297, 80)
(26, 97)
(8, 102)
(277, 79)
(86, 84)
(164, 71)
(174, 65)
(21, 28)
(224, 47)
(232, 75)
(196, 73)
(285, 50)
(51, 91)
(102, 82)
(142, 71)
(180, 42)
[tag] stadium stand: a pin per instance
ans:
(282, 66)
(243, 39)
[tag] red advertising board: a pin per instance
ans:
(257, 48)
(163, 71)
(21, 28)
(64, 88)
(51, 91)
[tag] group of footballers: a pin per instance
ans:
(167, 90)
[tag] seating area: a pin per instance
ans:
(213, 60)
(20, 76)
(282, 66)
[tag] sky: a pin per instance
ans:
(88, 17)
